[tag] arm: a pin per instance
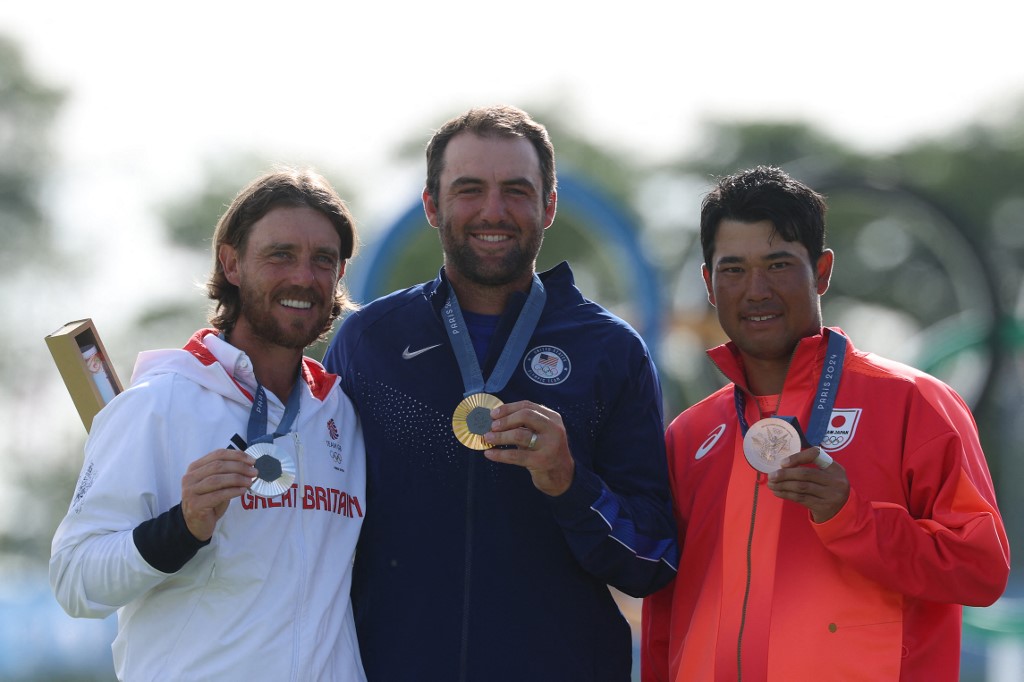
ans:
(115, 544)
(948, 543)
(615, 511)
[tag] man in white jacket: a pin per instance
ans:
(222, 494)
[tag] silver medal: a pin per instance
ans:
(276, 470)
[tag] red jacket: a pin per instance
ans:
(874, 593)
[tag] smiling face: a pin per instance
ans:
(766, 291)
(286, 274)
(491, 213)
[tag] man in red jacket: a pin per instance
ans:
(834, 507)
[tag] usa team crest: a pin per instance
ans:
(547, 365)
(842, 426)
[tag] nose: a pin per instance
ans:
(303, 273)
(758, 287)
(493, 209)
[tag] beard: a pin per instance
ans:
(257, 310)
(518, 262)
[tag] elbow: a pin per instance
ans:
(70, 594)
(662, 574)
(991, 588)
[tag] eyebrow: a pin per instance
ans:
(292, 246)
(511, 182)
(774, 255)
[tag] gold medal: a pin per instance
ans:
(472, 419)
(275, 470)
(768, 442)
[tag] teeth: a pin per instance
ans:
(293, 303)
(492, 237)
(760, 318)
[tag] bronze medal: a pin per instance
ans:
(768, 442)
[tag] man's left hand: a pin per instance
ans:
(822, 491)
(541, 444)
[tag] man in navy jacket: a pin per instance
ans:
(514, 435)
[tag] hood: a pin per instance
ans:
(197, 363)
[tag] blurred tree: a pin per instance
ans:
(28, 108)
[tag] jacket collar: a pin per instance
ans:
(803, 368)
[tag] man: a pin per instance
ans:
(850, 561)
(225, 562)
(496, 567)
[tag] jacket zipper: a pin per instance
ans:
(746, 587)
(467, 581)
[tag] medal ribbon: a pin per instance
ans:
(458, 334)
(257, 431)
(825, 398)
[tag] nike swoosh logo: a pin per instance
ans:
(409, 355)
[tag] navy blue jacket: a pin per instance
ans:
(464, 570)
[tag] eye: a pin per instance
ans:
(326, 261)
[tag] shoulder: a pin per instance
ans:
(710, 407)
(398, 303)
(906, 389)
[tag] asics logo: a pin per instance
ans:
(709, 442)
(410, 354)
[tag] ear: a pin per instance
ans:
(430, 208)
(824, 270)
(341, 269)
(706, 274)
(549, 210)
(228, 257)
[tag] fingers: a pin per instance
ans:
(822, 488)
(813, 455)
(209, 484)
(218, 470)
(515, 424)
(540, 444)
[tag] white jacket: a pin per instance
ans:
(268, 597)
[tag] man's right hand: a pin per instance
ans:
(210, 483)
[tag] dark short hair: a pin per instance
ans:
(765, 193)
(495, 121)
(287, 187)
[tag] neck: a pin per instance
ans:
(486, 299)
(765, 377)
(275, 366)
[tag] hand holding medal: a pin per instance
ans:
(769, 441)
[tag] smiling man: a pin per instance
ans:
(515, 449)
(223, 492)
(834, 507)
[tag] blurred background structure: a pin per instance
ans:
(125, 130)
